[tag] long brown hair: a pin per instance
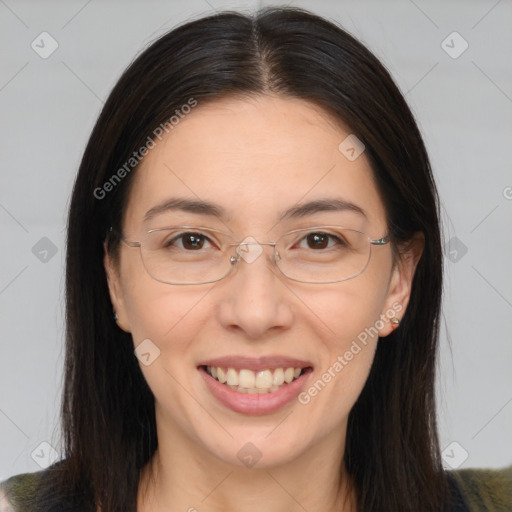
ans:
(108, 416)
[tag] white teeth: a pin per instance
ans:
(232, 377)
(221, 376)
(288, 375)
(278, 379)
(247, 381)
(264, 379)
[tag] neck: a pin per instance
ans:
(181, 477)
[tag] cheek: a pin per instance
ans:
(346, 318)
(159, 311)
(171, 319)
(345, 310)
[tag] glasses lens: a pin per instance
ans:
(323, 254)
(186, 255)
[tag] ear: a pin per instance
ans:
(115, 290)
(400, 283)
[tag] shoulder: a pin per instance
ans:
(38, 492)
(18, 493)
(487, 490)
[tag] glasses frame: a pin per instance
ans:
(275, 257)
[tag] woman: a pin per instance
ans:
(254, 275)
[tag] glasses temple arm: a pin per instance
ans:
(381, 241)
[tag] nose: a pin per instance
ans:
(255, 300)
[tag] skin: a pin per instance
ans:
(255, 157)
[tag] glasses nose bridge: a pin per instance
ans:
(239, 248)
(256, 243)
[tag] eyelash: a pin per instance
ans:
(169, 243)
(338, 240)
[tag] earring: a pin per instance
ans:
(116, 318)
(395, 323)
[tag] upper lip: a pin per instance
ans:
(256, 363)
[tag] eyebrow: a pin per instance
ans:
(196, 206)
(201, 207)
(321, 205)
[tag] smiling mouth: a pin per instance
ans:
(255, 382)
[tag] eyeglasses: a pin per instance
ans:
(200, 255)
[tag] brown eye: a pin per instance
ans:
(188, 241)
(193, 241)
(317, 240)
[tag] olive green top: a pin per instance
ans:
(471, 490)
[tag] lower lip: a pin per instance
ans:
(256, 404)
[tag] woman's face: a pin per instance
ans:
(255, 159)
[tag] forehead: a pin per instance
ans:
(255, 157)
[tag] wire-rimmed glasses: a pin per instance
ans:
(199, 255)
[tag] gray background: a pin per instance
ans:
(463, 105)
